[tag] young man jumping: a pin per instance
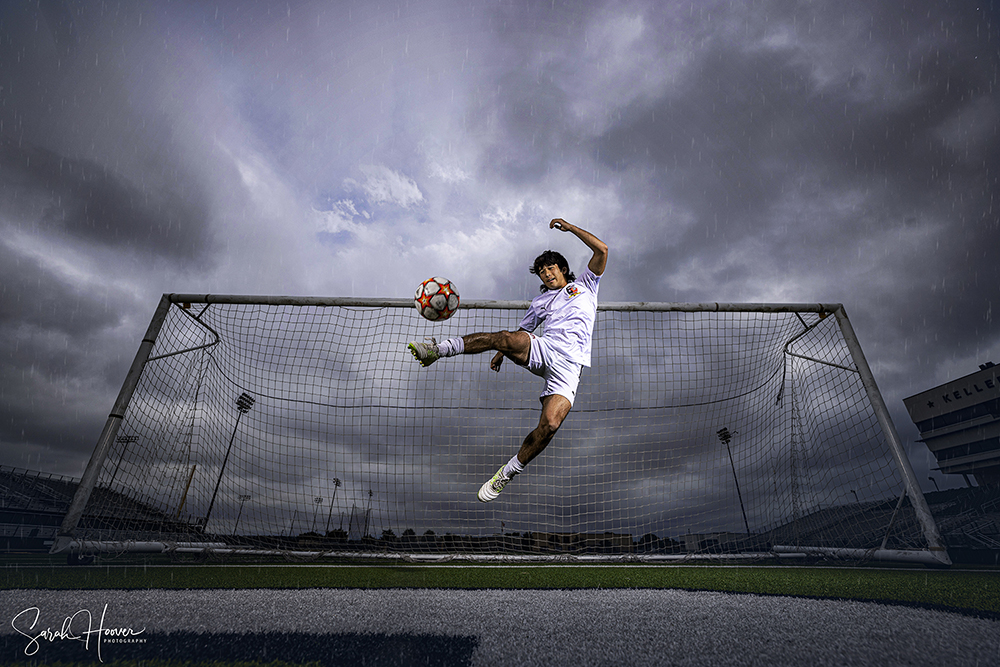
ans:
(568, 307)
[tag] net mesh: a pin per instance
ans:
(305, 428)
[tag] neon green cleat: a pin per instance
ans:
(424, 353)
(491, 489)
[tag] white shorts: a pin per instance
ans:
(562, 376)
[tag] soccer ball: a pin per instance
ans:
(436, 299)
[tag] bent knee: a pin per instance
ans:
(515, 344)
(517, 339)
(551, 423)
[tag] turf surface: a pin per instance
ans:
(970, 591)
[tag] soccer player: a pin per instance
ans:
(568, 307)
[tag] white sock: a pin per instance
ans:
(513, 467)
(451, 347)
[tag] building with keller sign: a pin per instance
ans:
(959, 422)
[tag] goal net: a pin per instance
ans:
(298, 426)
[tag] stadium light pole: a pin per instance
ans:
(336, 485)
(368, 513)
(725, 436)
(243, 498)
(243, 404)
(319, 501)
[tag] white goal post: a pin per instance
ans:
(302, 427)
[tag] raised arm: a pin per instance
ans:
(600, 248)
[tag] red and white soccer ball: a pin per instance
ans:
(436, 299)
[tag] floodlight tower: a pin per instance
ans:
(243, 498)
(243, 404)
(319, 501)
(336, 485)
(368, 513)
(725, 436)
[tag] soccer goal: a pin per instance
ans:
(302, 427)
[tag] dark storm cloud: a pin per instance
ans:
(98, 201)
(33, 298)
(766, 132)
(743, 123)
(531, 110)
(66, 220)
(91, 203)
(759, 149)
(55, 362)
(527, 100)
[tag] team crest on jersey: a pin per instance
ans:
(572, 290)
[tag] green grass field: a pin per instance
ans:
(974, 591)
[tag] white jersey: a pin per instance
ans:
(569, 314)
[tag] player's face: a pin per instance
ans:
(552, 276)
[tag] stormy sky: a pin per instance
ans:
(738, 151)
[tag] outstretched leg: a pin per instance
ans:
(513, 344)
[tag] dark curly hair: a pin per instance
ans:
(548, 258)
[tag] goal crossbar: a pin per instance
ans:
(471, 304)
